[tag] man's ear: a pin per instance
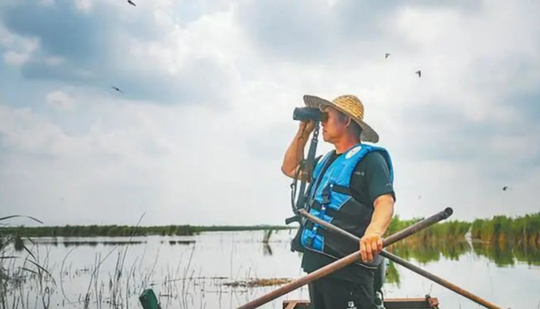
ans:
(349, 119)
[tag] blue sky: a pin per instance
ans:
(209, 88)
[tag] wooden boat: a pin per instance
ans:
(390, 303)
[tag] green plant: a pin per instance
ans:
(9, 254)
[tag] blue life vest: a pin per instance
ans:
(330, 199)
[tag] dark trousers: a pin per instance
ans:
(331, 293)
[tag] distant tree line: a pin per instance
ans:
(523, 230)
(123, 230)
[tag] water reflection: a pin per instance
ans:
(181, 242)
(392, 275)
(432, 251)
(192, 272)
(507, 255)
(19, 246)
(428, 252)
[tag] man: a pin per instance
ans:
(351, 187)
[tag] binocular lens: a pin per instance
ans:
(309, 113)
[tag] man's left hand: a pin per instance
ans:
(370, 245)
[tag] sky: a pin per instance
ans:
(198, 134)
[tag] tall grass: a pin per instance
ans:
(520, 231)
(450, 230)
(13, 275)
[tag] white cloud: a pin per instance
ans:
(13, 58)
(182, 161)
(19, 49)
(214, 36)
(60, 100)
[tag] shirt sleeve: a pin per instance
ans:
(378, 176)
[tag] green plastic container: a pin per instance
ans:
(149, 300)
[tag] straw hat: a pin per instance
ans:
(351, 106)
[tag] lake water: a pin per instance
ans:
(194, 272)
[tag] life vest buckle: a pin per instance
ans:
(326, 195)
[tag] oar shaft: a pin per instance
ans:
(396, 259)
(400, 235)
(418, 226)
(349, 259)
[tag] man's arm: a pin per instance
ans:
(381, 191)
(295, 152)
(372, 243)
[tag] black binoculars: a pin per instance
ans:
(309, 113)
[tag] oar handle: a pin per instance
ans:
(349, 259)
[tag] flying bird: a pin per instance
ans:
(386, 55)
(131, 2)
(419, 73)
(117, 89)
(505, 188)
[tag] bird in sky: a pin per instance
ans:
(505, 188)
(386, 55)
(131, 2)
(419, 73)
(117, 89)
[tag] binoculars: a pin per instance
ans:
(309, 113)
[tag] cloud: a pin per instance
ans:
(60, 100)
(158, 149)
(14, 58)
(17, 50)
(209, 88)
(99, 48)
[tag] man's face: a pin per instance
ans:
(333, 127)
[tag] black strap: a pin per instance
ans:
(323, 170)
(326, 195)
(341, 189)
(329, 211)
(321, 229)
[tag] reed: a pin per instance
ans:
(14, 275)
(449, 230)
(520, 231)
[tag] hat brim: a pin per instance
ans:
(368, 134)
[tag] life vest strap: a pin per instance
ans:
(320, 230)
(327, 210)
(341, 189)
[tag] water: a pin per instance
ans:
(195, 272)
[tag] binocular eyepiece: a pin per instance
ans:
(309, 113)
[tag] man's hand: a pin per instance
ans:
(370, 245)
(306, 127)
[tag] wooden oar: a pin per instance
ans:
(396, 259)
(349, 259)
